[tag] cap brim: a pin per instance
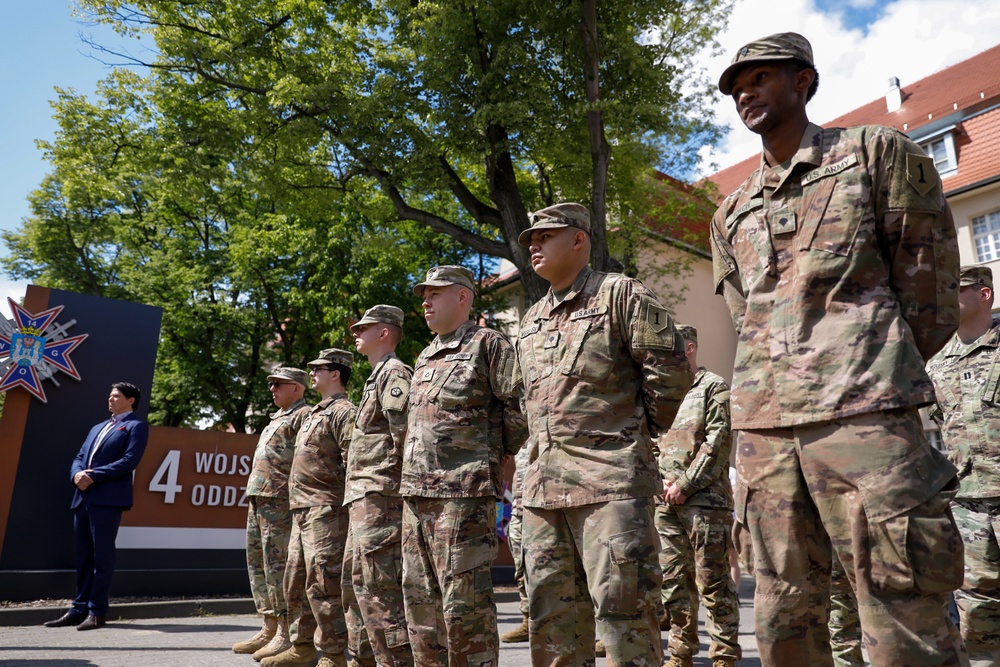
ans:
(726, 80)
(524, 238)
(278, 378)
(362, 322)
(418, 289)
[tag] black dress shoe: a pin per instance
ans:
(69, 618)
(91, 623)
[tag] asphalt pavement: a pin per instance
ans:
(202, 636)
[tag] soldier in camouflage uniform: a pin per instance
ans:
(374, 466)
(464, 418)
(696, 520)
(314, 569)
(269, 521)
(604, 373)
(520, 633)
(838, 259)
(966, 375)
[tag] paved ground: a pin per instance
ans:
(206, 640)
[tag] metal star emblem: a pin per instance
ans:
(33, 347)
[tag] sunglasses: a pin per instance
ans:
(277, 384)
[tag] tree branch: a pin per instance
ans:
(483, 213)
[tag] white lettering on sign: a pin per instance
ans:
(165, 479)
(222, 464)
(214, 495)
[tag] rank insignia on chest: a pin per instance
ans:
(395, 392)
(782, 222)
(552, 340)
(427, 375)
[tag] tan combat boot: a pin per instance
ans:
(678, 661)
(279, 642)
(517, 635)
(337, 660)
(723, 662)
(599, 649)
(259, 640)
(299, 654)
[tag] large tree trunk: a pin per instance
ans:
(506, 196)
(600, 150)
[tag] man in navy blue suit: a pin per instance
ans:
(102, 475)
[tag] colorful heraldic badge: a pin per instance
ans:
(33, 347)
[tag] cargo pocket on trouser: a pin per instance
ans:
(741, 534)
(381, 560)
(396, 637)
(913, 540)
(627, 551)
(472, 580)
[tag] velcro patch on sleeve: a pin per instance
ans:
(915, 183)
(396, 393)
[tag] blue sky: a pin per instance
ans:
(40, 50)
(856, 14)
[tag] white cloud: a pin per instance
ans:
(14, 290)
(910, 40)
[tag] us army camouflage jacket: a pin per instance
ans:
(272, 459)
(464, 416)
(603, 372)
(375, 460)
(321, 449)
(840, 268)
(694, 453)
(967, 383)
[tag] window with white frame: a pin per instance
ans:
(942, 150)
(986, 234)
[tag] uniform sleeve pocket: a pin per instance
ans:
(913, 538)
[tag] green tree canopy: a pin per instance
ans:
(500, 107)
(287, 163)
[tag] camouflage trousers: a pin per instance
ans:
(448, 549)
(377, 574)
(694, 556)
(269, 526)
(871, 489)
(516, 552)
(598, 560)
(313, 578)
(978, 599)
(357, 633)
(845, 626)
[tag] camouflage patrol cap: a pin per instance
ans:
(333, 356)
(976, 275)
(442, 276)
(688, 332)
(283, 373)
(566, 214)
(380, 314)
(781, 46)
